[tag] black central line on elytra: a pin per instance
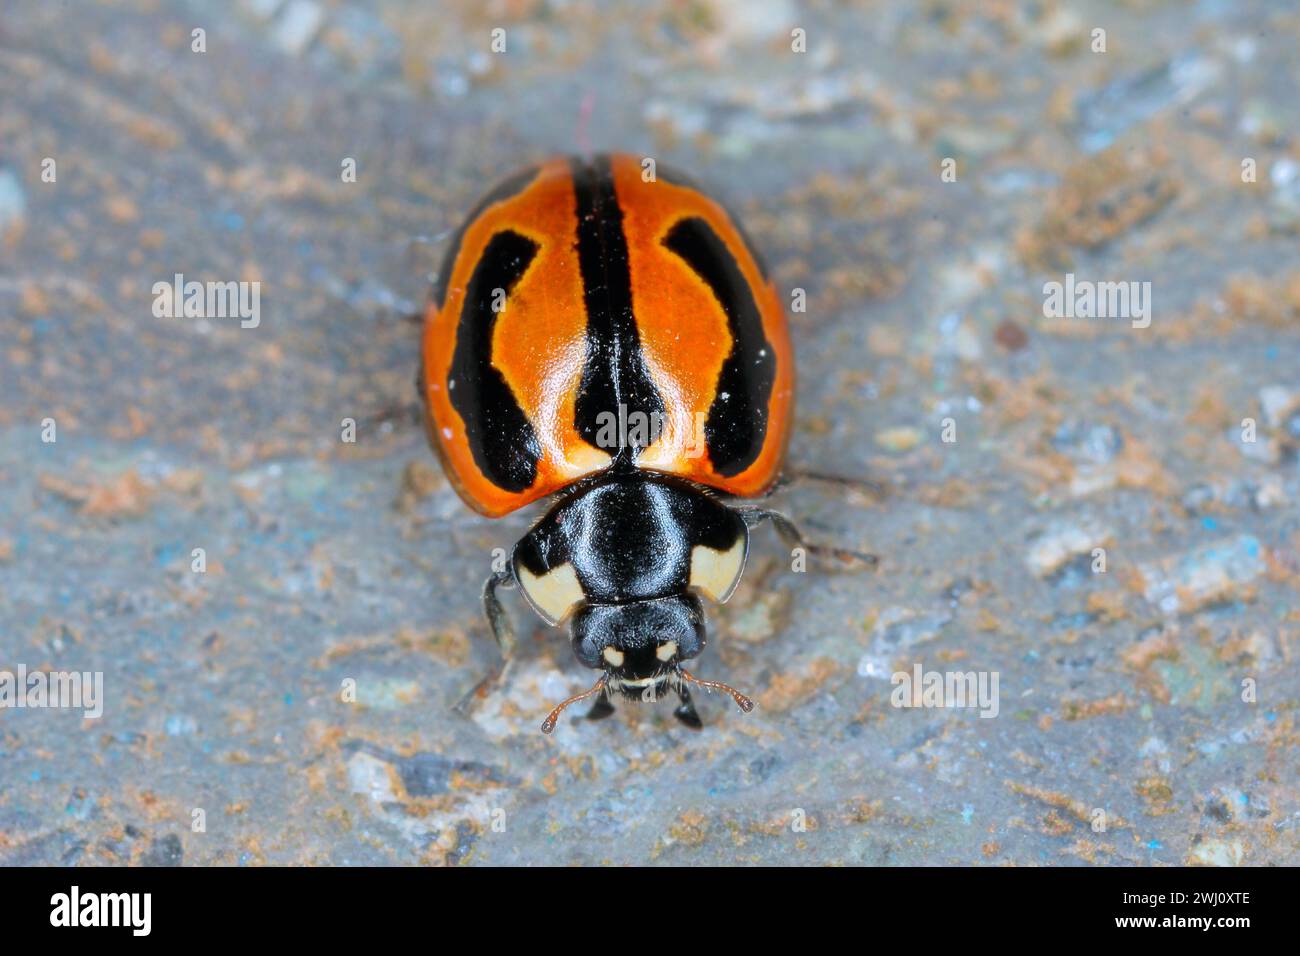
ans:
(615, 373)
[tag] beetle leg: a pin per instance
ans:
(601, 709)
(861, 486)
(686, 712)
(501, 631)
(406, 413)
(398, 412)
(793, 538)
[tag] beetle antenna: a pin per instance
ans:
(549, 723)
(743, 702)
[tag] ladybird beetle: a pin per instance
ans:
(612, 339)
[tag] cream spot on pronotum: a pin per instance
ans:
(554, 593)
(717, 573)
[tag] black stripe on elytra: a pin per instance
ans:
(512, 186)
(676, 177)
(614, 373)
(737, 420)
(501, 438)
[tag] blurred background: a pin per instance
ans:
(920, 169)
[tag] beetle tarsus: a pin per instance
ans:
(601, 709)
(792, 537)
(397, 413)
(859, 486)
(504, 635)
(686, 711)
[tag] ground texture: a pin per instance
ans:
(1147, 714)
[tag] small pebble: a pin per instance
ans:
(13, 203)
(1010, 336)
(899, 439)
(297, 26)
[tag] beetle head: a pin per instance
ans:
(641, 646)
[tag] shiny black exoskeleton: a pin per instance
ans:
(638, 615)
(625, 559)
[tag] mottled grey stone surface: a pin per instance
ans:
(1122, 735)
